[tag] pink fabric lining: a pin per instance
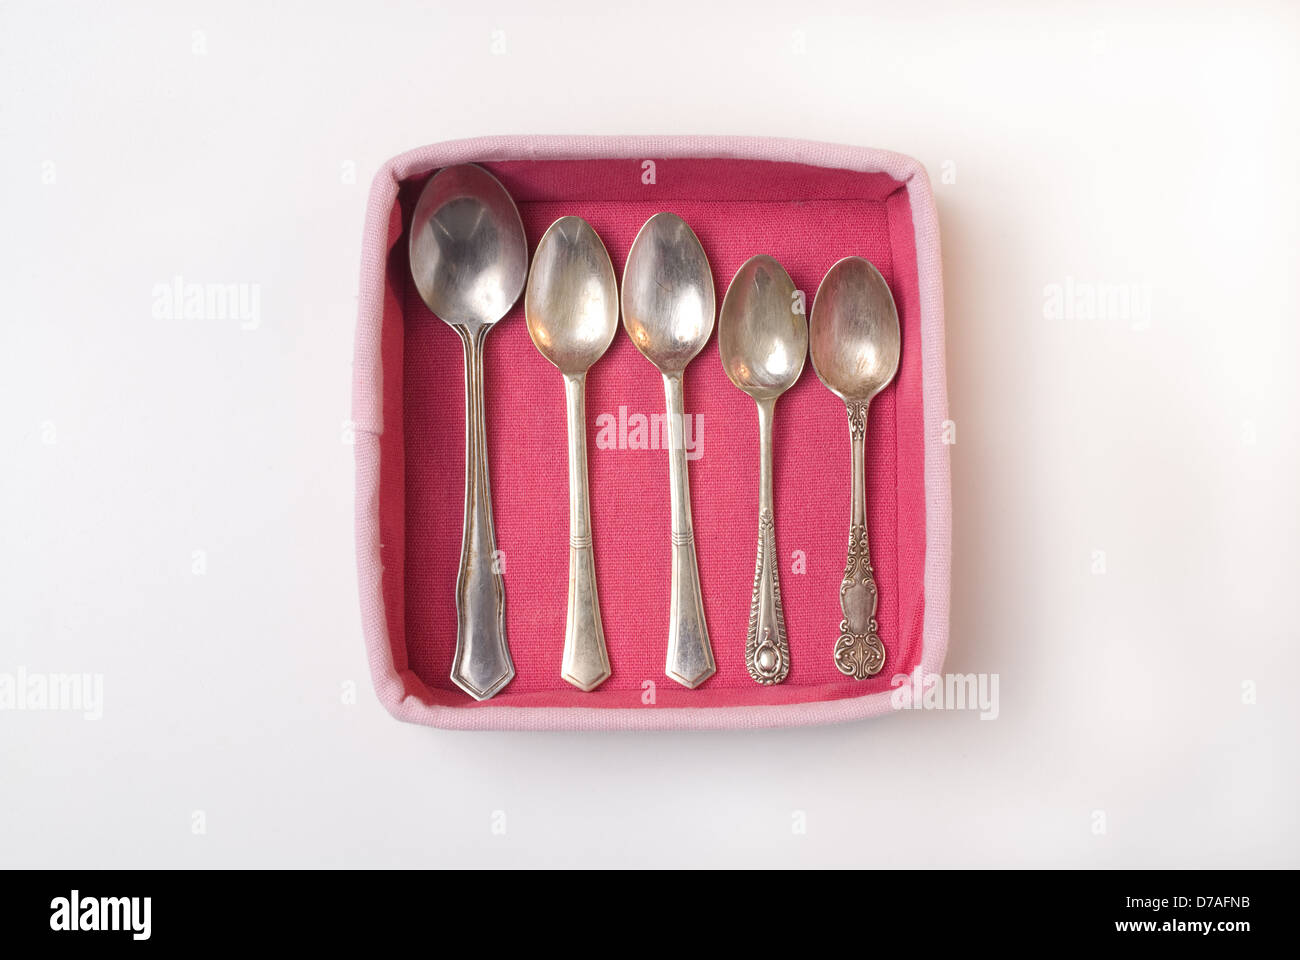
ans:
(806, 204)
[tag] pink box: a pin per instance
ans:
(808, 205)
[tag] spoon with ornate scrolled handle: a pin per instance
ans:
(668, 312)
(469, 259)
(855, 344)
(572, 310)
(763, 340)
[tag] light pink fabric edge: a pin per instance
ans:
(368, 417)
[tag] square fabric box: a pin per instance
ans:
(808, 205)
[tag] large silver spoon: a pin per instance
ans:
(668, 311)
(469, 259)
(572, 310)
(855, 343)
(763, 338)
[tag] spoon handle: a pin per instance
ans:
(767, 655)
(586, 661)
(482, 664)
(690, 658)
(859, 652)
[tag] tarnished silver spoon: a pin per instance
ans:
(469, 259)
(668, 311)
(572, 310)
(763, 339)
(855, 344)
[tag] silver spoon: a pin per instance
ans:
(855, 347)
(763, 338)
(668, 310)
(469, 259)
(572, 310)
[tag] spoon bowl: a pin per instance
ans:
(572, 301)
(469, 255)
(762, 338)
(855, 337)
(668, 302)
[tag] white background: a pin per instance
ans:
(1151, 147)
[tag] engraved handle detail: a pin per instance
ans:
(690, 658)
(482, 664)
(767, 655)
(586, 660)
(859, 652)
